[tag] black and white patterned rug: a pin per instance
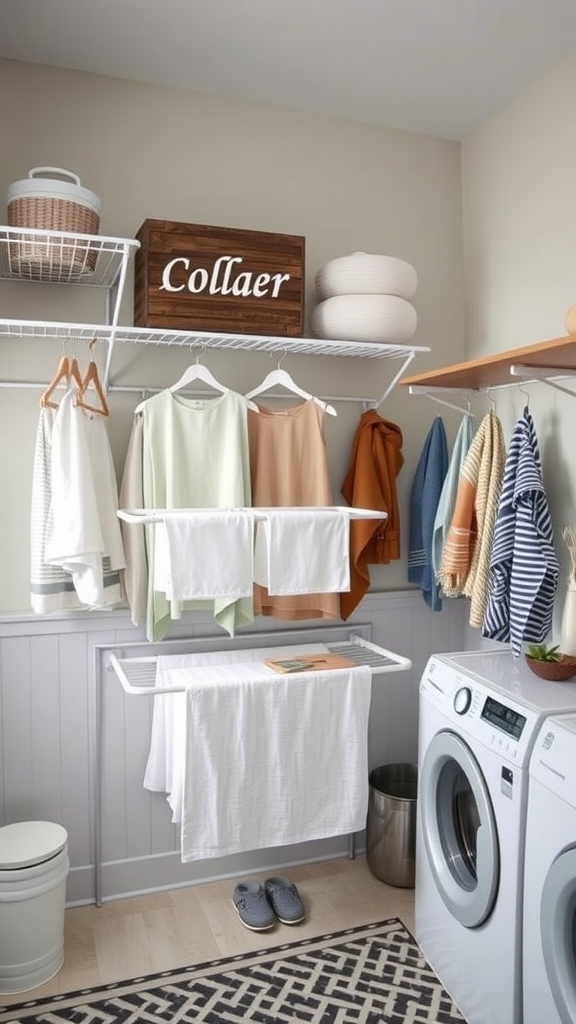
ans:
(375, 974)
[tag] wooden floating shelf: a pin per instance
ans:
(491, 371)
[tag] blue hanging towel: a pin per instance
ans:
(523, 565)
(424, 497)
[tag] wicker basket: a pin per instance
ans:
(52, 198)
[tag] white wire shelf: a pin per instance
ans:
(65, 331)
(61, 257)
(99, 261)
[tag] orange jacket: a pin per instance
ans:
(371, 483)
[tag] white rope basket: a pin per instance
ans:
(379, 318)
(364, 273)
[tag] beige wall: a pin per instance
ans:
(159, 153)
(519, 210)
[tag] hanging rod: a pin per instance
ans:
(159, 515)
(143, 389)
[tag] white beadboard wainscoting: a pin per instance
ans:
(49, 675)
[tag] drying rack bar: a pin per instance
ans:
(137, 675)
(159, 515)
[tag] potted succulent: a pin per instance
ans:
(548, 662)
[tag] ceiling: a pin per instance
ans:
(436, 67)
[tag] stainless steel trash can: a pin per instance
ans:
(391, 824)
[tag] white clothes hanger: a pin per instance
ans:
(280, 377)
(198, 371)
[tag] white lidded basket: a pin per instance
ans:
(386, 319)
(33, 872)
(364, 273)
(52, 198)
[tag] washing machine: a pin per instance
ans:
(549, 944)
(480, 713)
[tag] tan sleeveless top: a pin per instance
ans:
(289, 466)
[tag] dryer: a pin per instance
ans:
(479, 716)
(549, 942)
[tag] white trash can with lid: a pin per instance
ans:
(33, 871)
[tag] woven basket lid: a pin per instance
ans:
(364, 273)
(54, 183)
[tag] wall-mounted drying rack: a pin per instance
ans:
(137, 675)
(158, 515)
(134, 666)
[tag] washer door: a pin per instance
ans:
(459, 829)
(558, 933)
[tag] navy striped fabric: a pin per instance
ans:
(524, 569)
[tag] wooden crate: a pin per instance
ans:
(204, 278)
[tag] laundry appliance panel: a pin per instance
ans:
(479, 715)
(549, 947)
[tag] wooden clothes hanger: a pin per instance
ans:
(92, 377)
(282, 377)
(67, 371)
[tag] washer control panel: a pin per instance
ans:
(498, 720)
(503, 717)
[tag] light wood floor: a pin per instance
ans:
(141, 935)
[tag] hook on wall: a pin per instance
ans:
(522, 391)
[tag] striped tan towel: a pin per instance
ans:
(466, 557)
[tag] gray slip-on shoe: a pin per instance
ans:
(253, 907)
(285, 900)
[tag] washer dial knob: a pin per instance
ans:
(462, 700)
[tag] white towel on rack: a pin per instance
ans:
(206, 555)
(165, 766)
(270, 759)
(303, 551)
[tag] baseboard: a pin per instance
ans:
(143, 875)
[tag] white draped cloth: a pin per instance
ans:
(250, 758)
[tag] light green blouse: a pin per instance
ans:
(195, 455)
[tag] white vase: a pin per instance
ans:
(568, 628)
